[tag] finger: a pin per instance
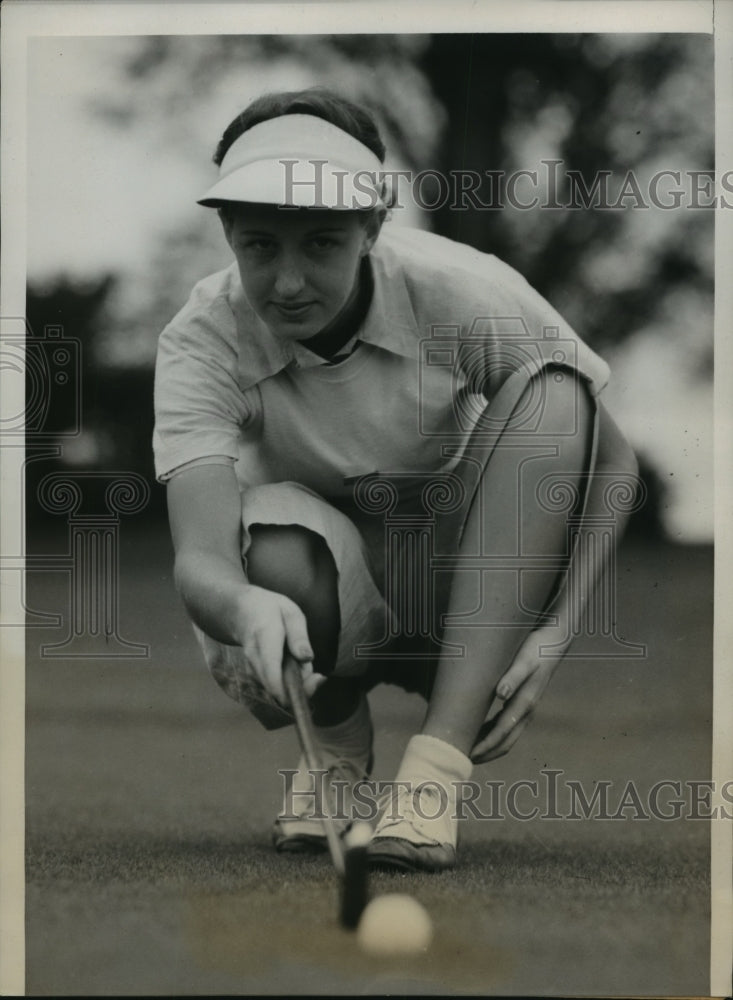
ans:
(299, 646)
(296, 633)
(270, 647)
(523, 666)
(311, 680)
(510, 716)
(529, 662)
(492, 733)
(481, 755)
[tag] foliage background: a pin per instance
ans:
(121, 132)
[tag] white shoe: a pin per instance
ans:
(300, 829)
(346, 753)
(418, 828)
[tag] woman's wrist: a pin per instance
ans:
(215, 594)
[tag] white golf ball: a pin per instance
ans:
(394, 924)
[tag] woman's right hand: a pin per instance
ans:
(267, 624)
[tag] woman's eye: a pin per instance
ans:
(323, 242)
(259, 245)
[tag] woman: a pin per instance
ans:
(357, 427)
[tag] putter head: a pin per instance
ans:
(354, 886)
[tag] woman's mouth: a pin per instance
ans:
(292, 310)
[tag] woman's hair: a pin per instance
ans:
(318, 101)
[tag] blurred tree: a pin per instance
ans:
(171, 80)
(646, 523)
(620, 104)
(116, 405)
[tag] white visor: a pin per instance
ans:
(301, 161)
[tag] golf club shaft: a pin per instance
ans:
(293, 681)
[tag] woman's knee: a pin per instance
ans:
(290, 560)
(297, 563)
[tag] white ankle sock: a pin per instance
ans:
(427, 758)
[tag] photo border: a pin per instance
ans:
(21, 20)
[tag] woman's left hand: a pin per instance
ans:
(520, 689)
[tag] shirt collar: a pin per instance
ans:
(390, 324)
(306, 358)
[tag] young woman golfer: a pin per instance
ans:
(363, 430)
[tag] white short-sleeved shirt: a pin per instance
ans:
(446, 328)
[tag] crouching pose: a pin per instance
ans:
(366, 433)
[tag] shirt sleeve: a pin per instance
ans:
(196, 462)
(200, 410)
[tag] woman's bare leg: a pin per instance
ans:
(506, 511)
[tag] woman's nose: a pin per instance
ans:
(289, 280)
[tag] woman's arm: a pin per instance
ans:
(615, 454)
(615, 457)
(204, 508)
(204, 511)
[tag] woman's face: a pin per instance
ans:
(298, 266)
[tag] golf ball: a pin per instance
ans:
(394, 924)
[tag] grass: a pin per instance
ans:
(150, 796)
